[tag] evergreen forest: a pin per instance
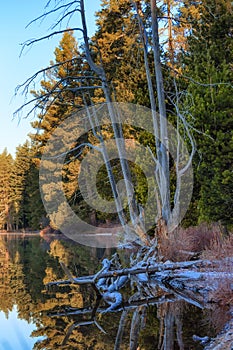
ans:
(196, 55)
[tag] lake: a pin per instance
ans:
(28, 263)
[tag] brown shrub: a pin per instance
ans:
(203, 235)
(204, 240)
(48, 230)
(219, 249)
(217, 317)
(223, 295)
(177, 246)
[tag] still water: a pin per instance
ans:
(28, 263)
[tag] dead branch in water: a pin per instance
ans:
(127, 305)
(148, 269)
(155, 283)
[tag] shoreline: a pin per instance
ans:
(18, 233)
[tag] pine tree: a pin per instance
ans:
(208, 63)
(61, 98)
(20, 173)
(6, 204)
(118, 43)
(62, 83)
(36, 216)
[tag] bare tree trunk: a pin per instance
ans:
(104, 152)
(170, 38)
(179, 328)
(118, 134)
(165, 180)
(134, 330)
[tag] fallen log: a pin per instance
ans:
(148, 269)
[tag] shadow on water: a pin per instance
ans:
(63, 316)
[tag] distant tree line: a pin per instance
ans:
(196, 54)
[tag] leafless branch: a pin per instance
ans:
(55, 92)
(174, 19)
(134, 271)
(132, 304)
(47, 69)
(44, 15)
(79, 324)
(30, 42)
(52, 11)
(87, 144)
(70, 14)
(120, 331)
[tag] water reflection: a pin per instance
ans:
(15, 332)
(28, 263)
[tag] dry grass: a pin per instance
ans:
(224, 293)
(222, 299)
(204, 241)
(177, 246)
(219, 248)
(203, 236)
(217, 317)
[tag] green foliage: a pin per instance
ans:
(6, 203)
(199, 48)
(19, 184)
(56, 95)
(208, 62)
(117, 39)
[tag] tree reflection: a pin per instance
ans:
(133, 310)
(72, 316)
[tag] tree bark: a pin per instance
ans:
(164, 147)
(118, 134)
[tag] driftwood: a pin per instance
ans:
(182, 279)
(128, 305)
(147, 269)
(156, 284)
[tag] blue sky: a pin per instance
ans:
(15, 69)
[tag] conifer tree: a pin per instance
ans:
(208, 63)
(117, 39)
(34, 208)
(6, 204)
(56, 99)
(19, 183)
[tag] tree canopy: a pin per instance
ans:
(196, 62)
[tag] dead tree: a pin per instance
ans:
(167, 220)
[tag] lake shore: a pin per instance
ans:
(19, 233)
